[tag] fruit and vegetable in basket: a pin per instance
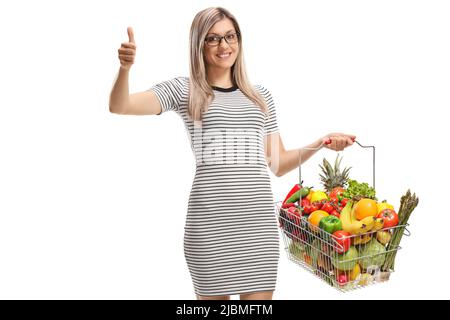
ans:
(374, 254)
(347, 260)
(365, 208)
(330, 224)
(384, 205)
(351, 224)
(318, 197)
(389, 217)
(362, 239)
(357, 191)
(356, 271)
(332, 178)
(296, 193)
(314, 219)
(297, 249)
(408, 203)
(384, 237)
(343, 241)
(290, 219)
(364, 233)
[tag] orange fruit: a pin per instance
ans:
(365, 208)
(315, 217)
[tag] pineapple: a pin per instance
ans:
(333, 177)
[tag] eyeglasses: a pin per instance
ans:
(230, 38)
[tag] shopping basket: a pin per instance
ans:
(357, 262)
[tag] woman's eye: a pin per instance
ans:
(230, 37)
(212, 39)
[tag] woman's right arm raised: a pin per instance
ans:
(120, 101)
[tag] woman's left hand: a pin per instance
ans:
(339, 141)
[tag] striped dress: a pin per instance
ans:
(231, 242)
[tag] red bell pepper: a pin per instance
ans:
(343, 239)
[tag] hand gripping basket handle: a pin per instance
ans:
(328, 142)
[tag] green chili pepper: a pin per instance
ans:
(303, 192)
(293, 190)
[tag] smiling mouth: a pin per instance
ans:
(223, 55)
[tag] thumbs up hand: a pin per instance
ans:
(127, 51)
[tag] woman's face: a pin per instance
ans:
(224, 54)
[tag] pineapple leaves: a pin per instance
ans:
(332, 177)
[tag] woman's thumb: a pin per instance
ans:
(130, 35)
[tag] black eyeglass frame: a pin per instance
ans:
(223, 38)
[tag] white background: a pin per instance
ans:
(93, 204)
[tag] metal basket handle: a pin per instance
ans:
(328, 142)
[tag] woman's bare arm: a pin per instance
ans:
(140, 103)
(120, 100)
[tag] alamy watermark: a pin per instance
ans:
(224, 147)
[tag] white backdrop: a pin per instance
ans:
(93, 204)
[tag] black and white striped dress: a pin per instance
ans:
(231, 239)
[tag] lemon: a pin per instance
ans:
(384, 205)
(318, 196)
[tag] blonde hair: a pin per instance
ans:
(200, 92)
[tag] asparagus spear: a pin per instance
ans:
(408, 203)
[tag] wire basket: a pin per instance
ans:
(356, 262)
(323, 255)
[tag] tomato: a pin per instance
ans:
(335, 213)
(344, 202)
(307, 209)
(294, 211)
(314, 207)
(294, 215)
(336, 192)
(335, 204)
(287, 205)
(306, 206)
(342, 278)
(390, 218)
(317, 205)
(327, 207)
(304, 202)
(343, 239)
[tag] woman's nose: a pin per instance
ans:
(223, 43)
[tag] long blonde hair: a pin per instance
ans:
(200, 92)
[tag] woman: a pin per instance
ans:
(231, 239)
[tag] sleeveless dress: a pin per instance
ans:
(231, 242)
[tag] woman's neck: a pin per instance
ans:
(219, 77)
